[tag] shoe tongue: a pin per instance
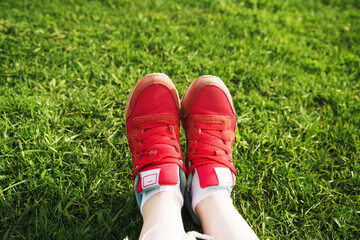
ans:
(158, 175)
(153, 176)
(213, 174)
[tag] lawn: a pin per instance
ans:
(67, 68)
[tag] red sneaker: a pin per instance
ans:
(152, 128)
(209, 121)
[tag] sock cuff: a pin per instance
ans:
(164, 188)
(198, 194)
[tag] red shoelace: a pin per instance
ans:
(210, 146)
(155, 133)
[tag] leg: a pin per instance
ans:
(209, 120)
(152, 127)
(220, 219)
(162, 217)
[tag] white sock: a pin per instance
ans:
(165, 188)
(192, 235)
(198, 194)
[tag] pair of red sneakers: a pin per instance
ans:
(153, 115)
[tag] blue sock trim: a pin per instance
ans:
(188, 202)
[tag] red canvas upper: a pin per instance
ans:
(152, 127)
(212, 101)
(209, 121)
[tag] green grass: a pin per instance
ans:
(67, 67)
